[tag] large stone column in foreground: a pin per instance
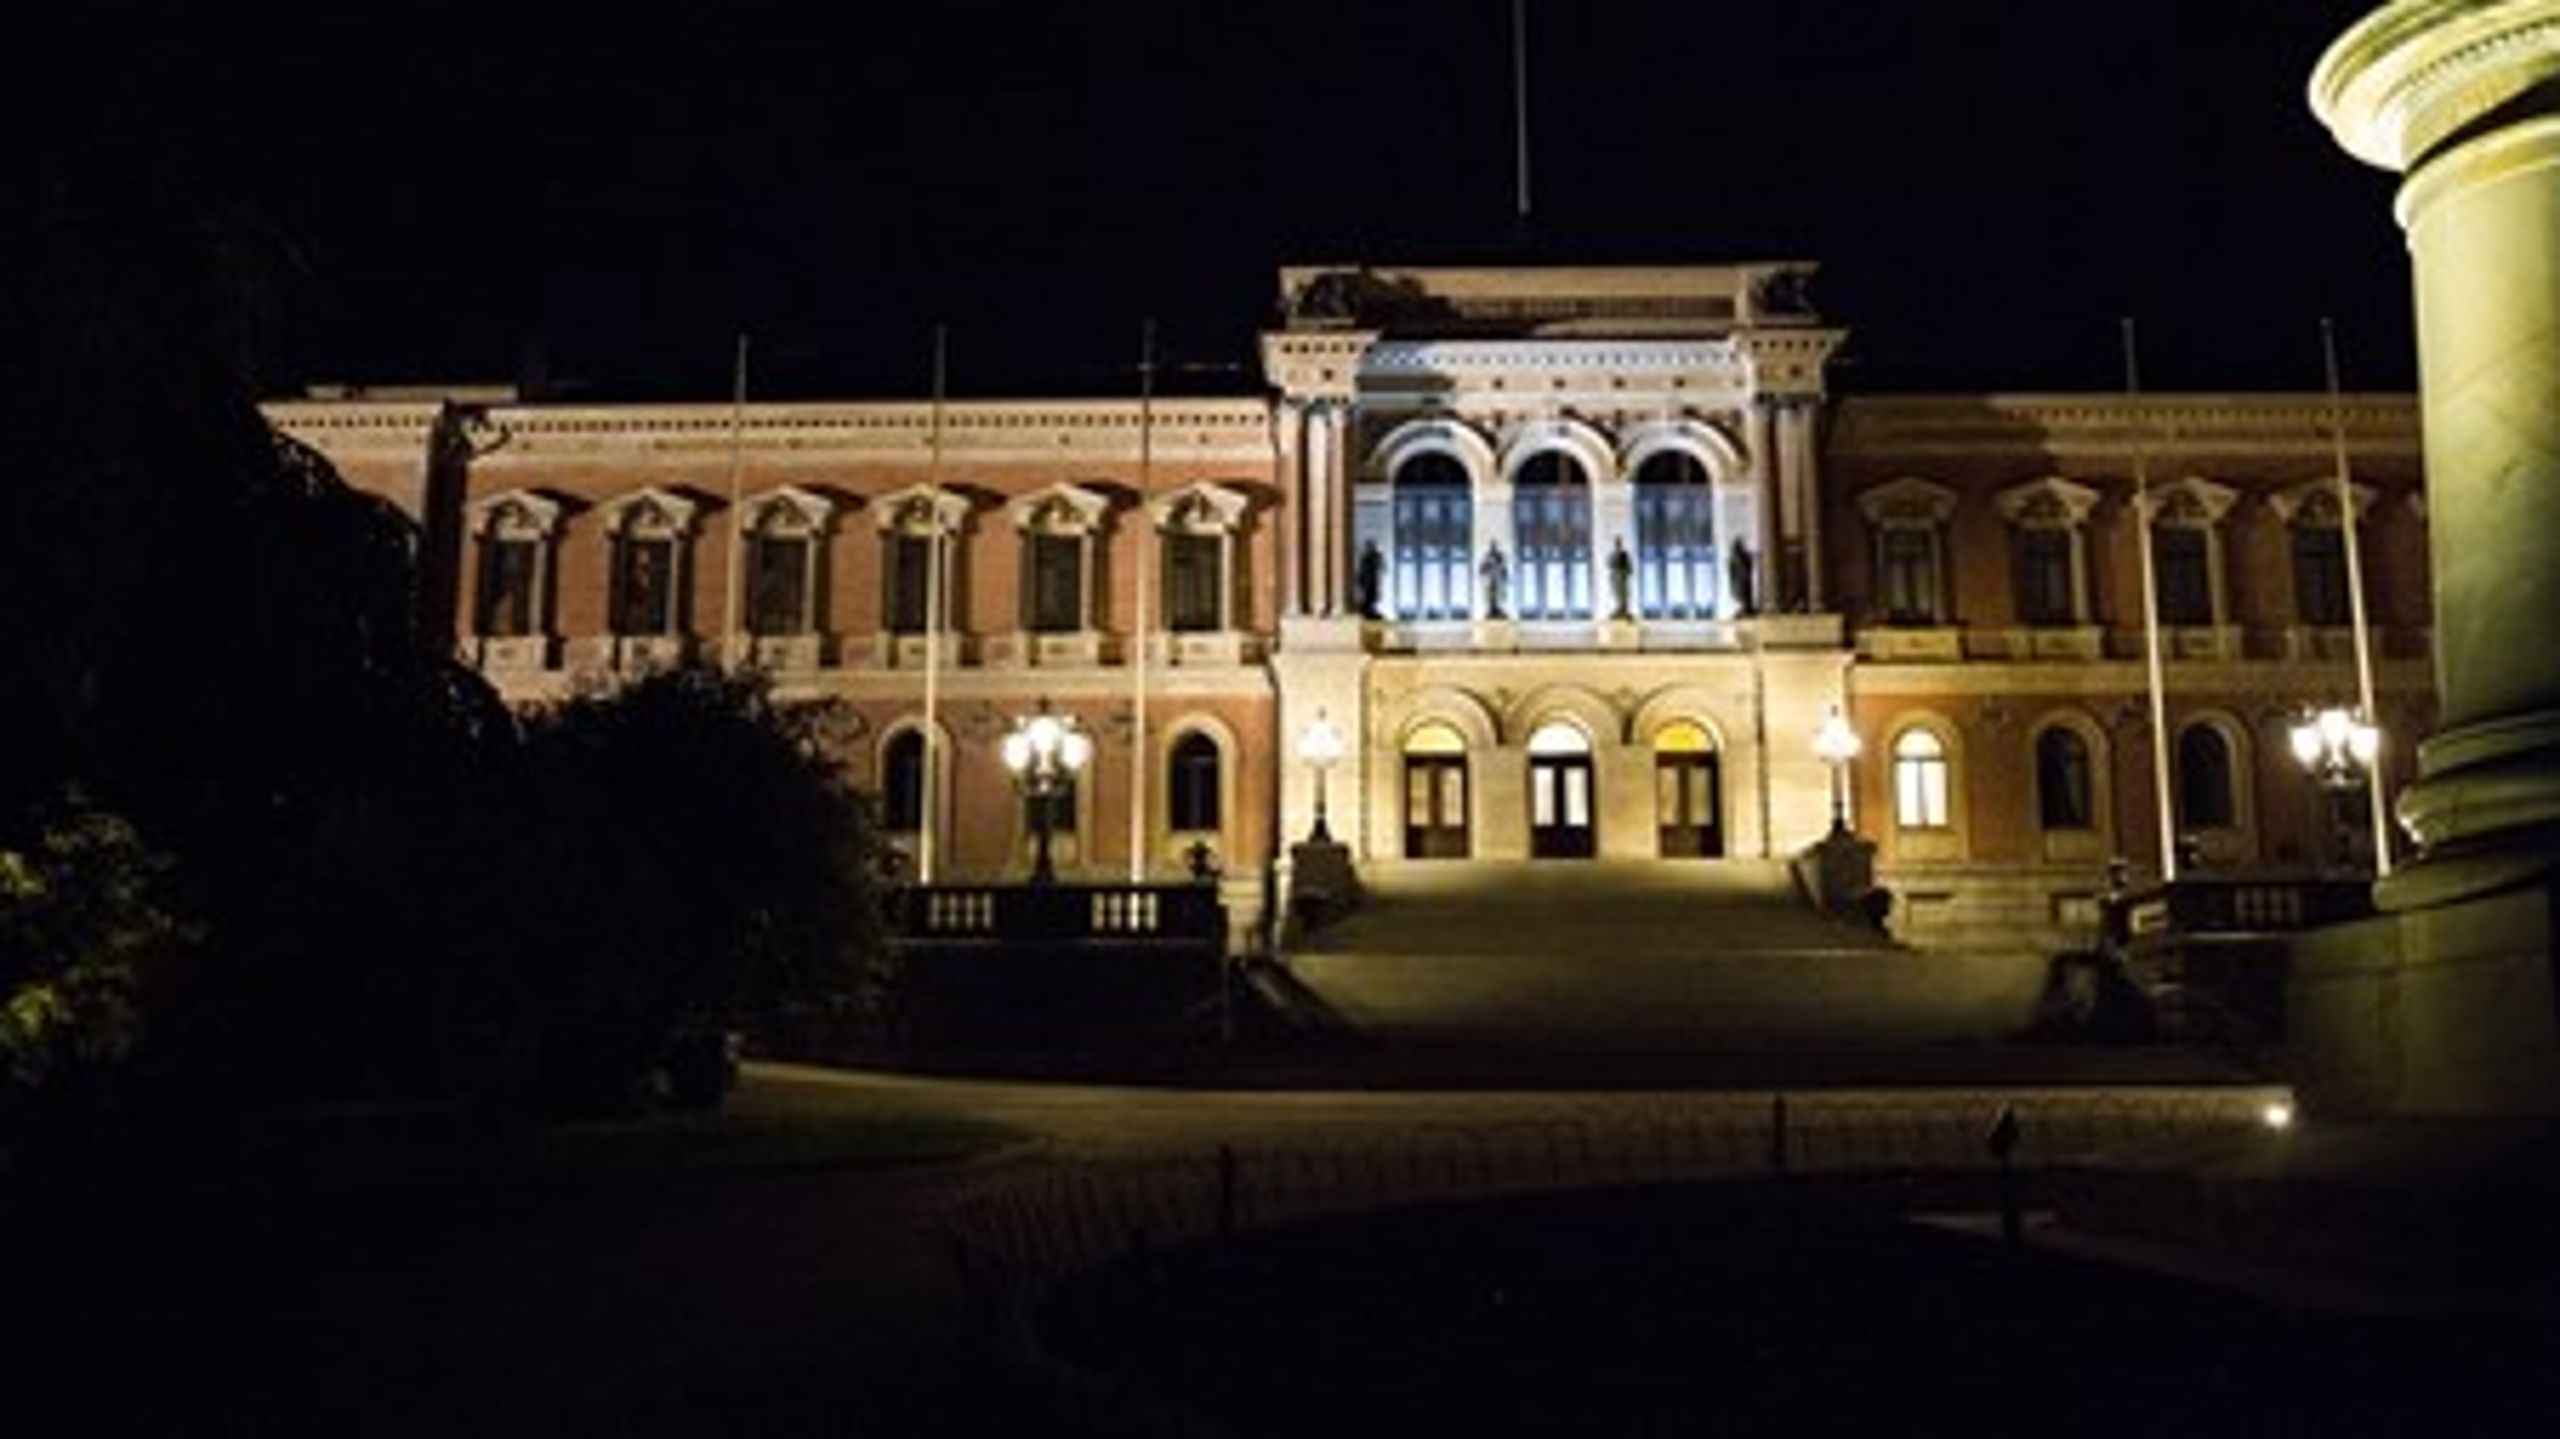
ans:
(2447, 1005)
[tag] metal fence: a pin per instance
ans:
(1014, 1237)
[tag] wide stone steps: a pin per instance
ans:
(1640, 957)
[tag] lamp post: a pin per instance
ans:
(1044, 753)
(2337, 747)
(1320, 745)
(1837, 744)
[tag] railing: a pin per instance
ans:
(1013, 1239)
(1034, 915)
(2240, 903)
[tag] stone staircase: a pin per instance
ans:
(1639, 957)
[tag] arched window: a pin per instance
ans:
(1551, 531)
(1434, 525)
(902, 782)
(2064, 796)
(1675, 538)
(2204, 779)
(1191, 783)
(1920, 780)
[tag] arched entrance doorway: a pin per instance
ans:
(1435, 793)
(1688, 793)
(1560, 793)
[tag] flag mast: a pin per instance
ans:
(1520, 108)
(733, 599)
(2153, 673)
(1138, 653)
(933, 619)
(2348, 528)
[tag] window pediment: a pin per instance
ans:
(921, 510)
(1907, 502)
(2315, 502)
(1060, 509)
(650, 512)
(786, 511)
(2052, 501)
(1202, 508)
(516, 515)
(2194, 501)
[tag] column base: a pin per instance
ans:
(2443, 1011)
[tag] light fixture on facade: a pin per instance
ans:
(1320, 746)
(2336, 746)
(1837, 745)
(1044, 753)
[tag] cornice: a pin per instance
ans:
(2164, 425)
(2411, 76)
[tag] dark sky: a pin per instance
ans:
(1988, 184)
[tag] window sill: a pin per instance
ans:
(2038, 642)
(513, 653)
(1901, 643)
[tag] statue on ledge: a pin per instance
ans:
(1496, 574)
(1622, 573)
(1738, 579)
(1369, 576)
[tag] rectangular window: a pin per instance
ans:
(1907, 561)
(1920, 793)
(778, 586)
(1433, 579)
(2181, 557)
(1194, 580)
(2044, 577)
(507, 578)
(2320, 576)
(910, 566)
(644, 587)
(1057, 584)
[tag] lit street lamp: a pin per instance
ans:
(1837, 744)
(1044, 753)
(1320, 745)
(2337, 748)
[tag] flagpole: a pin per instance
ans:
(2154, 675)
(2349, 539)
(1520, 106)
(734, 600)
(933, 619)
(1138, 652)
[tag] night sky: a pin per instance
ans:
(613, 192)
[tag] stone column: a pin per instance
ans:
(1764, 469)
(1314, 484)
(2459, 95)
(1292, 444)
(1332, 563)
(2445, 1006)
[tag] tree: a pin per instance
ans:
(696, 861)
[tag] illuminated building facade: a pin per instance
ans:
(1576, 560)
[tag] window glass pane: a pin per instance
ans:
(1577, 796)
(1542, 794)
(2320, 576)
(1057, 583)
(2044, 576)
(910, 564)
(506, 588)
(777, 585)
(1417, 794)
(1193, 582)
(644, 587)
(1908, 582)
(2063, 799)
(1675, 539)
(1551, 527)
(2181, 557)
(1433, 575)
(1453, 796)
(902, 783)
(1192, 790)
(2204, 778)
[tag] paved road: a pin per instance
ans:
(793, 1300)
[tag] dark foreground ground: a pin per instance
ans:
(1748, 1310)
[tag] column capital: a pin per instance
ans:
(2414, 75)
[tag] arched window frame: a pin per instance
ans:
(2072, 828)
(1554, 509)
(1195, 784)
(1945, 838)
(787, 515)
(1059, 526)
(2237, 840)
(1433, 563)
(1923, 780)
(910, 522)
(526, 524)
(2049, 512)
(1907, 521)
(1679, 566)
(1203, 514)
(648, 629)
(2186, 524)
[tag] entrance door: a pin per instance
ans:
(1560, 794)
(1688, 794)
(1435, 794)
